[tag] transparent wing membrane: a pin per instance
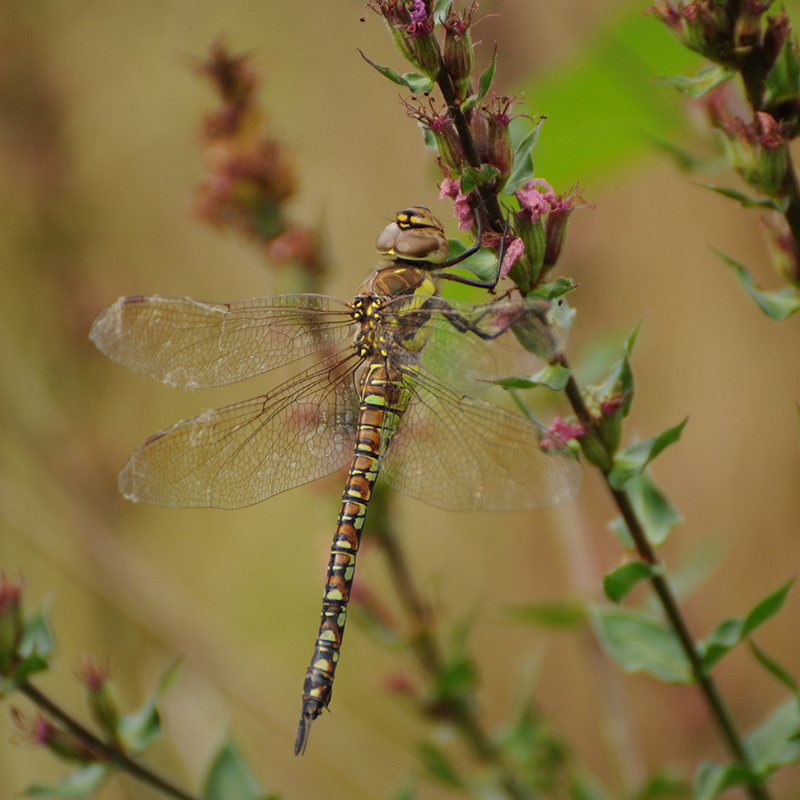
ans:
(246, 452)
(194, 345)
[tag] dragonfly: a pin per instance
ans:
(389, 390)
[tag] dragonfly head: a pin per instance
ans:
(415, 236)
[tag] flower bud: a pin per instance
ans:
(490, 130)
(459, 53)
(783, 248)
(44, 733)
(12, 621)
(100, 697)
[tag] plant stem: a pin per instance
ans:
(669, 603)
(424, 644)
(104, 751)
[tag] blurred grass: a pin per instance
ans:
(97, 162)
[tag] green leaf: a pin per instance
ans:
(229, 778)
(775, 743)
(724, 637)
(773, 667)
(484, 85)
(639, 642)
(38, 636)
(138, 729)
(554, 290)
(413, 81)
(713, 779)
(549, 615)
(653, 508)
(783, 81)
(744, 200)
(78, 784)
(456, 677)
(441, 11)
(553, 376)
(482, 264)
(630, 342)
(618, 527)
(732, 631)
(471, 177)
(777, 305)
(704, 81)
(418, 84)
(619, 582)
(766, 608)
(632, 460)
(685, 160)
(439, 765)
(522, 170)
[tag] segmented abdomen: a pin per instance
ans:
(377, 419)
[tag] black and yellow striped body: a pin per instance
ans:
(382, 401)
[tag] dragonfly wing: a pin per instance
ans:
(193, 344)
(469, 346)
(462, 454)
(244, 453)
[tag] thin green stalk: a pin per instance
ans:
(429, 656)
(669, 603)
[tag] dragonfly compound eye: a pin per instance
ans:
(416, 235)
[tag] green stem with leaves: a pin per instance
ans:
(104, 752)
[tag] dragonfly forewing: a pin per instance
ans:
(193, 344)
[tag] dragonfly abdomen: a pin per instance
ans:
(374, 409)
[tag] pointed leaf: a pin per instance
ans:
(656, 512)
(484, 85)
(229, 778)
(744, 200)
(777, 305)
(523, 161)
(482, 264)
(78, 784)
(549, 615)
(685, 160)
(439, 765)
(775, 743)
(732, 631)
(634, 459)
(713, 779)
(553, 376)
(471, 177)
(783, 81)
(38, 636)
(413, 81)
(441, 11)
(703, 82)
(724, 637)
(639, 642)
(138, 729)
(619, 582)
(766, 608)
(773, 667)
(551, 291)
(418, 84)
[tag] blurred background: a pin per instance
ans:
(99, 156)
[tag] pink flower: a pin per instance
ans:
(561, 432)
(461, 207)
(536, 197)
(512, 254)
